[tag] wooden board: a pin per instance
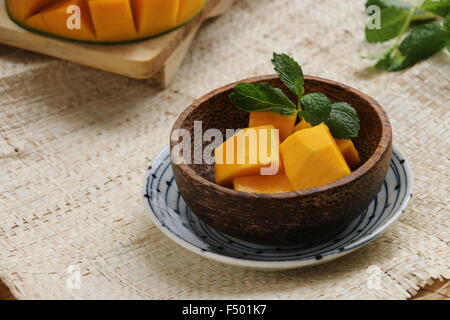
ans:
(159, 57)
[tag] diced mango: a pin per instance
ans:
(281, 122)
(312, 159)
(155, 16)
(251, 151)
(349, 152)
(346, 146)
(263, 184)
(189, 9)
(22, 9)
(302, 125)
(113, 19)
(54, 19)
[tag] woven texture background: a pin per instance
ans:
(75, 144)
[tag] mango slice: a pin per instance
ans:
(22, 9)
(189, 9)
(281, 122)
(311, 158)
(251, 151)
(263, 184)
(349, 152)
(113, 19)
(302, 125)
(54, 18)
(154, 16)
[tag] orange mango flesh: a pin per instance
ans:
(37, 22)
(281, 122)
(311, 158)
(251, 151)
(112, 20)
(263, 184)
(56, 15)
(189, 9)
(349, 152)
(346, 146)
(156, 16)
(22, 9)
(302, 125)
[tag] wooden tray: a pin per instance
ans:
(157, 58)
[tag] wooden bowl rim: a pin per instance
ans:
(385, 140)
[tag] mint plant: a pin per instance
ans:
(420, 31)
(340, 117)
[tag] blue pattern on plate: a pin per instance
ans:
(174, 218)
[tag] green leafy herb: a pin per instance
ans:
(261, 96)
(439, 7)
(290, 73)
(392, 22)
(315, 107)
(424, 39)
(420, 44)
(389, 4)
(343, 121)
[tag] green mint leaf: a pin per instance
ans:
(389, 4)
(290, 73)
(420, 17)
(343, 121)
(316, 108)
(390, 63)
(446, 25)
(260, 97)
(420, 44)
(391, 23)
(439, 7)
(446, 29)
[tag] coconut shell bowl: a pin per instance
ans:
(289, 218)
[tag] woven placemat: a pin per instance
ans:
(75, 144)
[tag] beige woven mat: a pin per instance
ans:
(75, 143)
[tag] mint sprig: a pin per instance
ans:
(261, 97)
(314, 107)
(412, 44)
(389, 4)
(391, 23)
(290, 72)
(343, 121)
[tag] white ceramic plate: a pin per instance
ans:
(171, 215)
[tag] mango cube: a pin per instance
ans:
(188, 9)
(155, 16)
(22, 9)
(349, 152)
(263, 184)
(251, 151)
(281, 122)
(311, 158)
(54, 19)
(113, 19)
(302, 125)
